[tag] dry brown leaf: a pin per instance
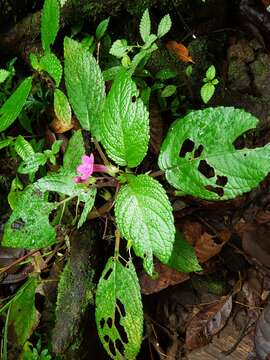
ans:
(204, 244)
(59, 127)
(167, 277)
(156, 127)
(180, 51)
(208, 322)
(206, 247)
(262, 334)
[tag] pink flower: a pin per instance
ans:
(87, 168)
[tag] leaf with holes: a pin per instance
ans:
(24, 316)
(199, 158)
(144, 217)
(85, 85)
(28, 226)
(52, 65)
(125, 123)
(14, 104)
(145, 26)
(119, 313)
(49, 23)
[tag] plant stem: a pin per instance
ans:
(101, 153)
(157, 173)
(117, 243)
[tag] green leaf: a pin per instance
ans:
(74, 152)
(207, 91)
(183, 257)
(52, 65)
(24, 316)
(211, 73)
(61, 107)
(85, 85)
(165, 74)
(34, 61)
(89, 200)
(168, 91)
(111, 73)
(14, 104)
(125, 123)
(141, 58)
(28, 226)
(144, 217)
(4, 143)
(32, 163)
(23, 148)
(118, 297)
(164, 26)
(102, 28)
(214, 169)
(145, 26)
(4, 74)
(61, 182)
(49, 23)
(119, 48)
(62, 2)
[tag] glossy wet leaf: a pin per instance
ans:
(28, 226)
(119, 313)
(14, 104)
(24, 316)
(125, 123)
(213, 169)
(85, 85)
(49, 23)
(144, 218)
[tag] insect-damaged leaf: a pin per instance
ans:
(28, 226)
(199, 158)
(119, 313)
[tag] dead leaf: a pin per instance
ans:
(166, 277)
(180, 51)
(256, 243)
(204, 243)
(208, 322)
(262, 334)
(156, 127)
(59, 127)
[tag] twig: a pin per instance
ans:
(101, 153)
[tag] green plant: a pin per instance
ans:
(208, 89)
(213, 169)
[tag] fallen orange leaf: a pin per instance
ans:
(180, 51)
